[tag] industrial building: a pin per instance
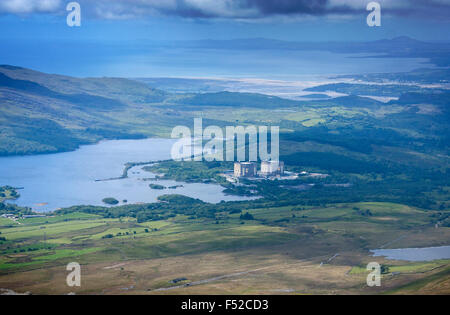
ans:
(245, 169)
(272, 168)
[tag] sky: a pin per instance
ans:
(34, 33)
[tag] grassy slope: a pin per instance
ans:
(284, 250)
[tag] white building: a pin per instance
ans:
(8, 216)
(271, 168)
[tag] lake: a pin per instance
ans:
(414, 254)
(61, 180)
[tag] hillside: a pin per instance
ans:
(229, 99)
(116, 88)
(44, 113)
(47, 113)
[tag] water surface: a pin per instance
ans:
(414, 254)
(60, 180)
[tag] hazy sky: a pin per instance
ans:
(34, 33)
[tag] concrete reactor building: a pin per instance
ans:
(245, 169)
(271, 168)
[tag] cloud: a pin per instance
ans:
(230, 9)
(226, 9)
(29, 6)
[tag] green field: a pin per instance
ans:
(280, 236)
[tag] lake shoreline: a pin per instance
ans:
(78, 147)
(414, 254)
(128, 167)
(83, 177)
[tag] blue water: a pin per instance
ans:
(265, 64)
(60, 180)
(415, 254)
(153, 59)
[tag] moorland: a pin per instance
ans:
(388, 187)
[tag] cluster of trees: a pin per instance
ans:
(109, 236)
(111, 201)
(168, 207)
(8, 191)
(364, 213)
(394, 90)
(356, 139)
(274, 195)
(190, 171)
(11, 208)
(20, 248)
(247, 216)
(231, 99)
(157, 187)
